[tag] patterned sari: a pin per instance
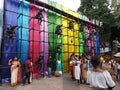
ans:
(15, 72)
(72, 69)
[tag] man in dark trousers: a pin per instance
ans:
(39, 63)
(28, 67)
(49, 65)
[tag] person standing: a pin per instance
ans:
(108, 65)
(39, 63)
(28, 67)
(88, 63)
(83, 69)
(49, 65)
(99, 79)
(19, 77)
(77, 69)
(15, 71)
(88, 66)
(31, 71)
(72, 66)
(59, 67)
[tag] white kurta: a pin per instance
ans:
(77, 70)
(100, 80)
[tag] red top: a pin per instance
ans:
(28, 66)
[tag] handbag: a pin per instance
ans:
(57, 73)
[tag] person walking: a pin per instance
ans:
(28, 67)
(49, 65)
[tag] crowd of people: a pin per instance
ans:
(16, 72)
(87, 69)
(100, 71)
(27, 69)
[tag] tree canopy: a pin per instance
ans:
(103, 11)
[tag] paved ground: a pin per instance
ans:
(54, 83)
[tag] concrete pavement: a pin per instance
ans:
(53, 83)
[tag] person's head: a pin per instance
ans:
(76, 57)
(95, 61)
(80, 57)
(73, 54)
(50, 56)
(84, 56)
(88, 56)
(15, 58)
(107, 56)
(39, 56)
(18, 59)
(59, 57)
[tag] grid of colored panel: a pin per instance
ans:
(59, 37)
(10, 50)
(1, 21)
(44, 38)
(52, 37)
(23, 31)
(68, 40)
(75, 33)
(33, 39)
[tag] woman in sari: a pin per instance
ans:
(19, 77)
(83, 70)
(15, 71)
(72, 68)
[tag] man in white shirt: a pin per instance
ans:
(99, 79)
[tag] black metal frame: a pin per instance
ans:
(67, 16)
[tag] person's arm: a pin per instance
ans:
(19, 65)
(10, 62)
(115, 69)
(109, 79)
